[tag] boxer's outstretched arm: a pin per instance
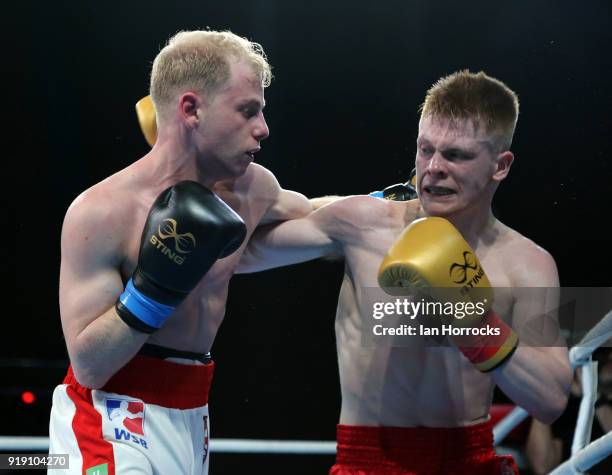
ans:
(320, 201)
(538, 376)
(287, 204)
(289, 242)
(281, 238)
(322, 233)
(98, 341)
(281, 204)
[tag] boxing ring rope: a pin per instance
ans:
(582, 457)
(593, 453)
(252, 446)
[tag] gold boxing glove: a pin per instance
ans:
(145, 110)
(432, 257)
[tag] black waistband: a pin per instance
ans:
(162, 352)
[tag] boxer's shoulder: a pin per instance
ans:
(102, 215)
(257, 181)
(113, 196)
(514, 241)
(528, 263)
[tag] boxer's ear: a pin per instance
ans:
(503, 162)
(189, 104)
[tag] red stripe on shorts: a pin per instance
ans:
(87, 428)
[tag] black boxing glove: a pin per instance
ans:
(187, 230)
(399, 191)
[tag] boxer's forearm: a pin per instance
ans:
(291, 242)
(537, 379)
(102, 348)
(284, 244)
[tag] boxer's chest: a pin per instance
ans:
(495, 264)
(222, 270)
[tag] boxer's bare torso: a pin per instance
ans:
(117, 209)
(417, 383)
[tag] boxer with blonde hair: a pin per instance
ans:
(147, 255)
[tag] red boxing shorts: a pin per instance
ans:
(150, 418)
(468, 450)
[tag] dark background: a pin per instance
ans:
(343, 113)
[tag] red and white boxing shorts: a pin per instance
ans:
(419, 451)
(151, 418)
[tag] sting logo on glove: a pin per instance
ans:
(180, 240)
(458, 272)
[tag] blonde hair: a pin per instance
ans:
(486, 101)
(200, 60)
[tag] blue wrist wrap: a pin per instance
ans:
(142, 307)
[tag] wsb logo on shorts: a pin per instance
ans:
(129, 416)
(183, 243)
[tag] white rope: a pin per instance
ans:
(586, 411)
(253, 446)
(592, 454)
(594, 338)
(508, 423)
(23, 444)
(579, 355)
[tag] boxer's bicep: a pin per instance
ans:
(90, 281)
(287, 205)
(538, 375)
(535, 315)
(535, 310)
(281, 204)
(537, 327)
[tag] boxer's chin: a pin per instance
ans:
(439, 205)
